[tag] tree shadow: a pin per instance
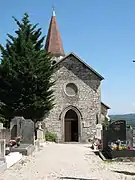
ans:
(74, 178)
(126, 173)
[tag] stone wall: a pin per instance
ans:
(87, 102)
(104, 110)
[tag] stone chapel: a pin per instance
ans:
(78, 107)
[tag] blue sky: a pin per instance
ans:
(101, 32)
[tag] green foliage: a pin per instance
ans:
(2, 118)
(51, 137)
(25, 74)
(105, 123)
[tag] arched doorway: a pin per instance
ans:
(71, 126)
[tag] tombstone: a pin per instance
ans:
(98, 131)
(1, 126)
(40, 133)
(117, 130)
(16, 126)
(43, 127)
(134, 138)
(28, 134)
(129, 136)
(2, 149)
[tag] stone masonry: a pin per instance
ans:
(86, 103)
(77, 93)
(104, 109)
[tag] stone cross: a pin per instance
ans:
(40, 125)
(40, 133)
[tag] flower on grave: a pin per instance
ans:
(15, 141)
(12, 143)
(100, 146)
(18, 140)
(129, 147)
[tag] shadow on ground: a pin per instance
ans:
(126, 173)
(87, 146)
(74, 178)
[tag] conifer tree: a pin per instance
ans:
(26, 71)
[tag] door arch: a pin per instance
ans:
(71, 126)
(67, 113)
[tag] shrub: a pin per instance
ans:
(105, 123)
(49, 136)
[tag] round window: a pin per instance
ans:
(71, 89)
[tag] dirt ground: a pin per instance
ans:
(66, 162)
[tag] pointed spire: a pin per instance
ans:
(53, 41)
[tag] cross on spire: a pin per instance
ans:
(53, 11)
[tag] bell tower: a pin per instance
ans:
(53, 41)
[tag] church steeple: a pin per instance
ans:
(53, 41)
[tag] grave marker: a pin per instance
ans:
(16, 126)
(129, 136)
(117, 130)
(40, 133)
(134, 138)
(2, 149)
(28, 134)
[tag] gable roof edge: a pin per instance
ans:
(105, 105)
(73, 54)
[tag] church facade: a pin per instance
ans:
(77, 92)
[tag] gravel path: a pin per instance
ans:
(67, 161)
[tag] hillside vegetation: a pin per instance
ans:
(130, 118)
